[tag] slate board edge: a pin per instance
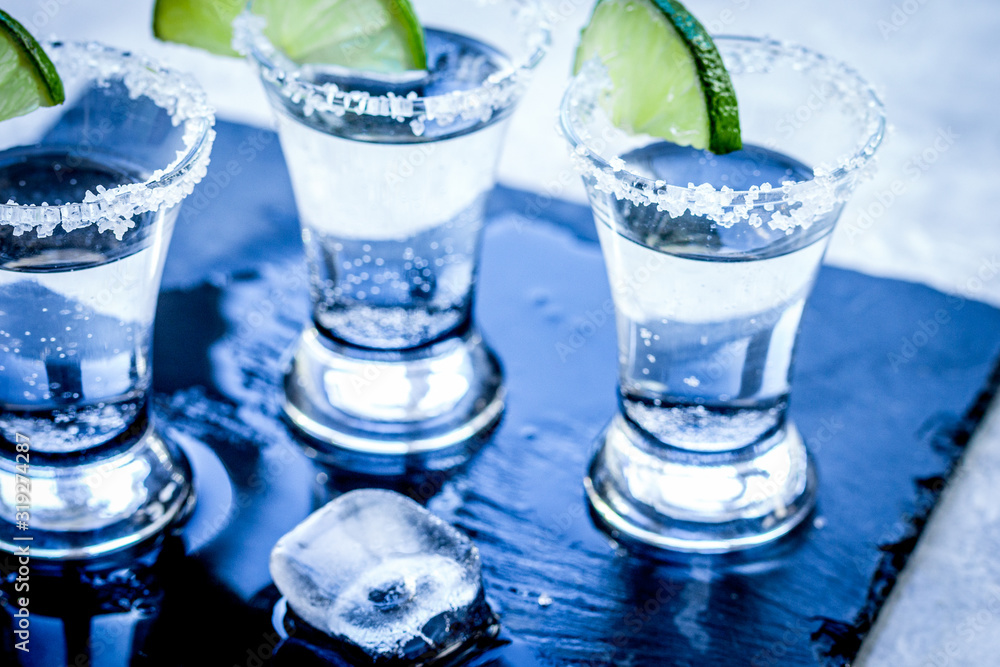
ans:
(839, 643)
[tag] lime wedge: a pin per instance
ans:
(28, 79)
(205, 24)
(370, 35)
(668, 79)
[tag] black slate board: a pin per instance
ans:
(886, 421)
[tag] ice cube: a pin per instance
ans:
(376, 570)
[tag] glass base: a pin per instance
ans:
(85, 507)
(648, 494)
(380, 411)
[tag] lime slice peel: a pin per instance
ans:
(668, 79)
(28, 79)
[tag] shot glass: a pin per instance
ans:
(89, 192)
(711, 259)
(391, 175)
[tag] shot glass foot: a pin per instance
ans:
(85, 507)
(649, 495)
(386, 412)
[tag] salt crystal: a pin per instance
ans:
(113, 209)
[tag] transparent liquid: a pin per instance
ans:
(391, 222)
(707, 316)
(76, 309)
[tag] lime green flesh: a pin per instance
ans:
(28, 79)
(369, 35)
(667, 77)
(206, 24)
(375, 35)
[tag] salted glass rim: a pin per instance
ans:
(827, 188)
(113, 208)
(497, 92)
